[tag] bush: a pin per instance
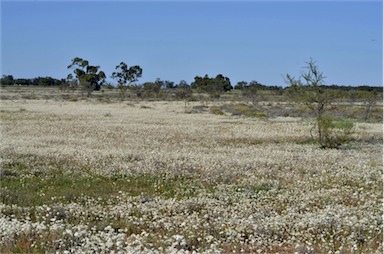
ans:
(332, 133)
(261, 115)
(241, 109)
(309, 91)
(216, 110)
(344, 124)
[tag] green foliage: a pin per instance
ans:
(243, 109)
(238, 109)
(344, 129)
(250, 90)
(152, 89)
(344, 124)
(370, 100)
(216, 110)
(213, 86)
(136, 89)
(46, 81)
(125, 76)
(333, 133)
(37, 190)
(262, 115)
(7, 80)
(183, 90)
(165, 84)
(89, 77)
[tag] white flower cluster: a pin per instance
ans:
(255, 186)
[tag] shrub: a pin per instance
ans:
(216, 110)
(310, 92)
(332, 133)
(240, 109)
(261, 115)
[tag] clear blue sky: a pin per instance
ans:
(177, 40)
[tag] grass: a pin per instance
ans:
(37, 190)
(345, 124)
(25, 188)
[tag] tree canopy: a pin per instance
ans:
(125, 76)
(89, 76)
(213, 86)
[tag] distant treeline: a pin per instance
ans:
(9, 80)
(378, 89)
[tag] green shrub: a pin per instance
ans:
(333, 133)
(241, 109)
(216, 110)
(261, 115)
(344, 124)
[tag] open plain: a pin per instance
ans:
(88, 176)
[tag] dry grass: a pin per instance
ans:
(88, 176)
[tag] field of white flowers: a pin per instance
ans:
(146, 177)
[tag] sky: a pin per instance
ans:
(178, 40)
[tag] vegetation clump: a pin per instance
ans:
(216, 110)
(308, 90)
(89, 77)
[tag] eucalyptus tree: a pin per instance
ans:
(213, 86)
(126, 76)
(89, 76)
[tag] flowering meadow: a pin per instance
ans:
(146, 177)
